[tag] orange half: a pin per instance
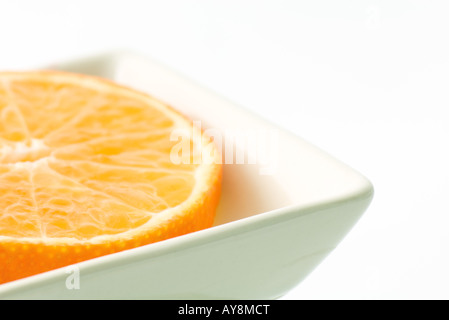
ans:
(89, 167)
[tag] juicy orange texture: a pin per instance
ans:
(86, 170)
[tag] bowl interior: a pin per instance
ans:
(265, 167)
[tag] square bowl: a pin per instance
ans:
(285, 205)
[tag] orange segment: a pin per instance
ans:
(18, 212)
(12, 124)
(155, 189)
(86, 170)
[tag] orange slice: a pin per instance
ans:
(89, 168)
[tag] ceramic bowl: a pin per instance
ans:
(285, 206)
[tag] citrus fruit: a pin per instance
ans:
(87, 168)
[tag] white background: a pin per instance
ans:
(367, 81)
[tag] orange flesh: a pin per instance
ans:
(85, 170)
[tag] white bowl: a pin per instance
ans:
(279, 215)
